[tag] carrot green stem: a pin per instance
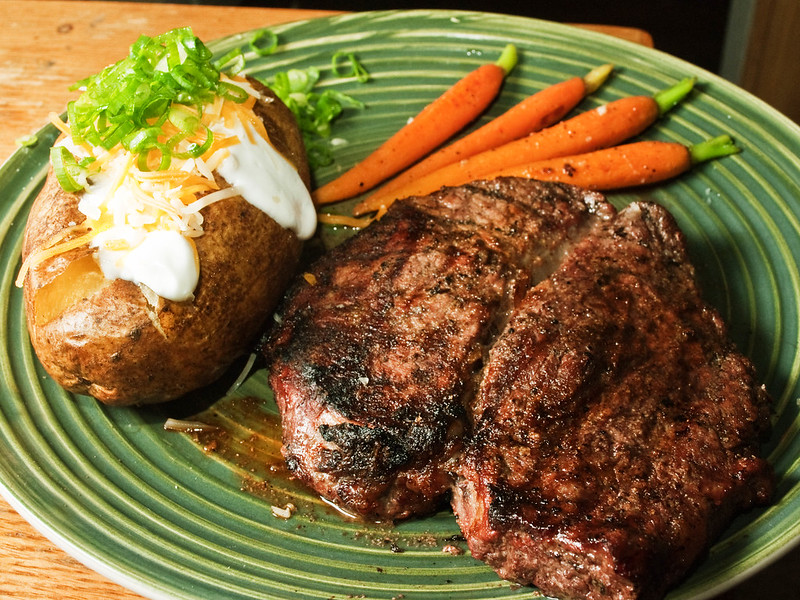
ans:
(668, 98)
(717, 147)
(508, 58)
(597, 77)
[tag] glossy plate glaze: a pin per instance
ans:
(153, 511)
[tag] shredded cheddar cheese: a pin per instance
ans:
(168, 199)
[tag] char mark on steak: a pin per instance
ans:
(372, 364)
(616, 429)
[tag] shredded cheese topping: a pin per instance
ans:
(122, 196)
(147, 146)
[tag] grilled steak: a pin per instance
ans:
(374, 360)
(616, 429)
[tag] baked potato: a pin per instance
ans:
(115, 340)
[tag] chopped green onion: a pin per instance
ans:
(141, 141)
(193, 150)
(314, 111)
(235, 57)
(264, 42)
(196, 48)
(183, 118)
(142, 160)
(155, 110)
(357, 70)
(71, 176)
(118, 132)
(231, 92)
(169, 76)
(294, 81)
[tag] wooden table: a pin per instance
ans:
(47, 45)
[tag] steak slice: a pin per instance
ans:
(373, 362)
(616, 429)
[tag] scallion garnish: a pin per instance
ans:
(264, 42)
(314, 111)
(71, 175)
(232, 62)
(357, 70)
(167, 77)
(231, 92)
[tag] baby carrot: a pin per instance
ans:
(436, 123)
(535, 112)
(604, 126)
(628, 165)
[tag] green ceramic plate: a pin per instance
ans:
(151, 510)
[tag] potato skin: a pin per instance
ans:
(106, 344)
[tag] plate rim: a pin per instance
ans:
(19, 156)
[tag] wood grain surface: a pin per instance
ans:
(44, 47)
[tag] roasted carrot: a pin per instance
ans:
(537, 111)
(628, 165)
(604, 126)
(435, 124)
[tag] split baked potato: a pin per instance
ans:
(106, 338)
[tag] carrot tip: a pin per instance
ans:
(508, 58)
(716, 147)
(671, 96)
(597, 77)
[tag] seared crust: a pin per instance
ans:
(617, 429)
(107, 344)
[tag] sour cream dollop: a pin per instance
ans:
(270, 182)
(163, 260)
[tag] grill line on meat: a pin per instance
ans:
(547, 360)
(616, 430)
